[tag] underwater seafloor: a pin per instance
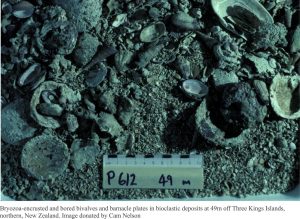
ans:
(81, 79)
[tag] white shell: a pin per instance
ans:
(194, 88)
(32, 76)
(248, 14)
(285, 96)
(23, 9)
(153, 32)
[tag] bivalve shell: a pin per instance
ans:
(23, 9)
(285, 96)
(33, 76)
(185, 21)
(194, 89)
(247, 15)
(153, 32)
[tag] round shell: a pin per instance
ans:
(285, 96)
(45, 157)
(194, 88)
(153, 32)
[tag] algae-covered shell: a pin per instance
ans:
(85, 49)
(248, 15)
(84, 156)
(152, 32)
(285, 96)
(45, 157)
(194, 88)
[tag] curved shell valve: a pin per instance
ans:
(241, 15)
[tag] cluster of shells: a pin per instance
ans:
(39, 50)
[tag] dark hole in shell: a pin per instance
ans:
(214, 106)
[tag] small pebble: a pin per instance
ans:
(293, 146)
(108, 123)
(84, 156)
(272, 63)
(72, 122)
